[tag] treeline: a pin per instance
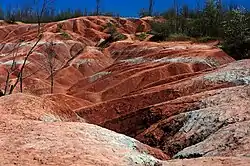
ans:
(231, 25)
(29, 15)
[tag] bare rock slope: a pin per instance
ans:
(172, 103)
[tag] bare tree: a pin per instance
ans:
(40, 13)
(176, 9)
(98, 4)
(19, 71)
(198, 5)
(11, 68)
(19, 78)
(151, 6)
(50, 64)
(14, 68)
(10, 15)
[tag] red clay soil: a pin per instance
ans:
(142, 64)
(27, 107)
(131, 115)
(183, 100)
(67, 101)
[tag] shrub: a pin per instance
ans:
(142, 36)
(188, 156)
(118, 36)
(160, 30)
(65, 35)
(236, 34)
(140, 28)
(111, 28)
(114, 35)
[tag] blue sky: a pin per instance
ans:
(124, 7)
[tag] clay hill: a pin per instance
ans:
(119, 99)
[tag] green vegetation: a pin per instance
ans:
(189, 156)
(140, 28)
(236, 30)
(111, 29)
(59, 27)
(179, 37)
(205, 39)
(65, 35)
(115, 35)
(142, 36)
(230, 26)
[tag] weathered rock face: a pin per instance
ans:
(182, 99)
(212, 123)
(200, 122)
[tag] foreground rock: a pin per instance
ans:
(38, 143)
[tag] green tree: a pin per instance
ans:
(211, 20)
(237, 34)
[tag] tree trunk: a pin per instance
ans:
(98, 7)
(6, 84)
(21, 82)
(150, 9)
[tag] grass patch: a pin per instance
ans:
(178, 37)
